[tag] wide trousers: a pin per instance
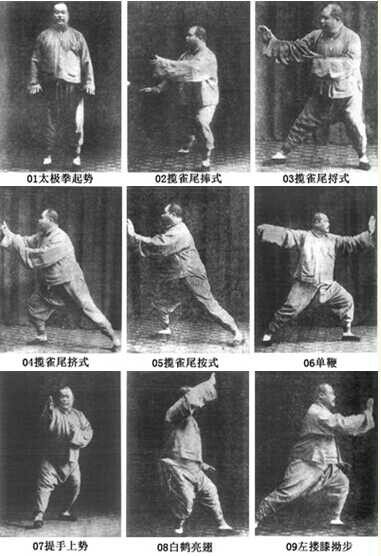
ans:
(183, 483)
(64, 115)
(168, 295)
(320, 110)
(303, 294)
(51, 476)
(196, 123)
(303, 479)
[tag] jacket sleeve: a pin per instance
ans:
(83, 434)
(200, 68)
(353, 425)
(283, 237)
(350, 244)
(35, 63)
(198, 396)
(287, 52)
(39, 257)
(163, 245)
(87, 70)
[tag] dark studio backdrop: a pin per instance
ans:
(218, 219)
(282, 400)
(224, 430)
(348, 209)
(20, 113)
(23, 397)
(281, 91)
(160, 28)
(92, 219)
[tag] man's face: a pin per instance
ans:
(44, 223)
(167, 218)
(65, 398)
(60, 15)
(328, 23)
(191, 39)
(328, 397)
(322, 224)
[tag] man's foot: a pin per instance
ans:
(164, 332)
(186, 149)
(278, 158)
(238, 339)
(205, 165)
(38, 521)
(39, 340)
(267, 340)
(364, 163)
(115, 345)
(76, 162)
(350, 337)
(256, 523)
(223, 526)
(47, 160)
(67, 516)
(183, 150)
(179, 529)
(336, 521)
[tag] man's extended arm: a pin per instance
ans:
(161, 244)
(283, 237)
(365, 240)
(201, 67)
(196, 397)
(286, 52)
(353, 425)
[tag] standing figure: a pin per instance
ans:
(181, 268)
(314, 275)
(182, 469)
(315, 463)
(61, 70)
(195, 74)
(65, 432)
(59, 276)
(335, 52)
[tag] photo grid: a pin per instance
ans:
(189, 348)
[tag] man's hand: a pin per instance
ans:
(372, 225)
(130, 228)
(35, 89)
(147, 90)
(212, 379)
(4, 228)
(370, 404)
(90, 90)
(208, 468)
(266, 33)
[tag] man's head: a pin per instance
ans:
(325, 394)
(48, 220)
(195, 37)
(331, 18)
(60, 15)
(173, 214)
(65, 398)
(320, 222)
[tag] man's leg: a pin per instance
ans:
(355, 126)
(201, 290)
(208, 496)
(336, 488)
(73, 119)
(316, 111)
(186, 116)
(341, 304)
(299, 480)
(79, 292)
(300, 296)
(39, 310)
(50, 124)
(73, 486)
(47, 481)
(166, 299)
(203, 119)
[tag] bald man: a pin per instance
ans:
(59, 277)
(335, 52)
(314, 275)
(315, 462)
(196, 76)
(62, 71)
(65, 432)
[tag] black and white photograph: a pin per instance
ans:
(316, 269)
(188, 269)
(60, 254)
(189, 86)
(60, 102)
(188, 435)
(316, 453)
(316, 86)
(60, 454)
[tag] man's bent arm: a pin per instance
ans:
(283, 237)
(198, 396)
(38, 257)
(349, 244)
(161, 244)
(198, 69)
(82, 436)
(287, 52)
(34, 64)
(354, 425)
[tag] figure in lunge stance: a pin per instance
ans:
(314, 275)
(182, 469)
(315, 462)
(181, 268)
(65, 432)
(59, 276)
(195, 74)
(61, 70)
(335, 52)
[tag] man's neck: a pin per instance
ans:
(319, 233)
(335, 32)
(60, 28)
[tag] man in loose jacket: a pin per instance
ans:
(65, 432)
(314, 274)
(182, 469)
(315, 462)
